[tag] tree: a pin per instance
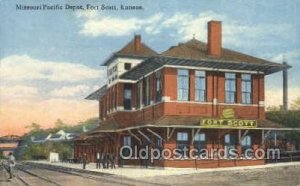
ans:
(59, 124)
(34, 127)
(296, 104)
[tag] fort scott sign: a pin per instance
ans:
(228, 123)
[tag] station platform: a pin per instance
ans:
(141, 172)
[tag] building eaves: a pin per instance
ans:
(181, 122)
(97, 94)
(154, 63)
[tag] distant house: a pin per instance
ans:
(40, 138)
(61, 135)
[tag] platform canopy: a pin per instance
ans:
(192, 122)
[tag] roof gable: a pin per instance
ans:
(129, 51)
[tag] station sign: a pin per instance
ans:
(227, 123)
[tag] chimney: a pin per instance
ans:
(214, 39)
(137, 43)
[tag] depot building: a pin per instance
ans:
(195, 95)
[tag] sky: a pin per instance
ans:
(50, 60)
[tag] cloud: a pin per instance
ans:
(71, 91)
(16, 114)
(17, 91)
(23, 67)
(33, 90)
(273, 96)
(234, 33)
(290, 56)
(115, 26)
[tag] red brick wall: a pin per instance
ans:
(192, 85)
(170, 83)
(209, 86)
(120, 94)
(215, 88)
(214, 43)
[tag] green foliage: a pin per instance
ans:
(296, 104)
(288, 119)
(41, 151)
(65, 149)
(59, 124)
(34, 127)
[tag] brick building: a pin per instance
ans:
(194, 95)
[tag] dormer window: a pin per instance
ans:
(127, 66)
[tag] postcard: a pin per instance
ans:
(127, 92)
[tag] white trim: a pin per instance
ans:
(144, 76)
(239, 104)
(165, 100)
(120, 81)
(195, 102)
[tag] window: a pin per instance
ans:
(139, 94)
(230, 87)
(246, 144)
(199, 142)
(158, 86)
(147, 91)
(159, 146)
(182, 143)
(229, 143)
(159, 142)
(115, 68)
(127, 141)
(127, 96)
(246, 89)
(183, 85)
(200, 86)
(113, 97)
(127, 66)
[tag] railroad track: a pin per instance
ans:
(103, 177)
(25, 181)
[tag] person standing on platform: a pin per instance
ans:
(103, 160)
(107, 161)
(11, 164)
(112, 161)
(84, 160)
(98, 161)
